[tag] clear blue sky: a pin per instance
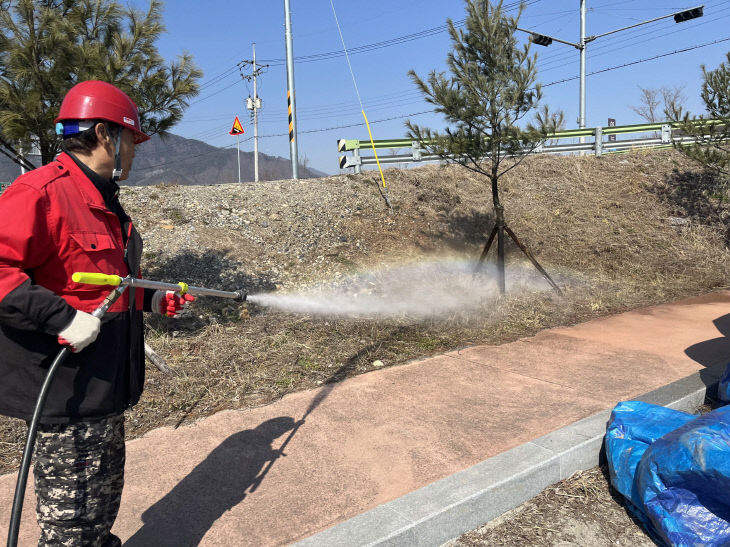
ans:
(410, 34)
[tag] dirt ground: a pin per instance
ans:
(616, 233)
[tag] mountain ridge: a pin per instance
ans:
(173, 159)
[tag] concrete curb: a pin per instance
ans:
(441, 511)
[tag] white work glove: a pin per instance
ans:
(170, 303)
(82, 331)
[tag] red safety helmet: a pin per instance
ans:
(96, 100)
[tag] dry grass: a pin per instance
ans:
(605, 228)
(582, 510)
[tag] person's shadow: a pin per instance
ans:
(216, 485)
(222, 480)
(713, 354)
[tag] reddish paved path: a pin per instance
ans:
(381, 435)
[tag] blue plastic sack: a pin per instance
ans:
(683, 482)
(632, 428)
(723, 388)
(674, 470)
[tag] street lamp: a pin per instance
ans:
(545, 40)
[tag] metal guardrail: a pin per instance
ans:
(662, 138)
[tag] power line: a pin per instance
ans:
(556, 58)
(360, 49)
(385, 43)
(214, 93)
(641, 60)
(219, 77)
(326, 112)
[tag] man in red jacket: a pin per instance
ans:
(56, 220)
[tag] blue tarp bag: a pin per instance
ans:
(723, 388)
(632, 428)
(683, 481)
(674, 469)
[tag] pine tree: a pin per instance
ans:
(712, 138)
(47, 46)
(490, 91)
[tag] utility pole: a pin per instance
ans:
(290, 95)
(582, 100)
(545, 40)
(254, 104)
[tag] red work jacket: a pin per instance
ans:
(54, 222)
(60, 225)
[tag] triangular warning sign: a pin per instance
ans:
(237, 128)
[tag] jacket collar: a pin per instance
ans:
(86, 186)
(108, 189)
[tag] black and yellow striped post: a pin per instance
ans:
(291, 119)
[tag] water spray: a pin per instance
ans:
(425, 290)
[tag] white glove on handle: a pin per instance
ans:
(82, 331)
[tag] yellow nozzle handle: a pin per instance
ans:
(183, 287)
(96, 278)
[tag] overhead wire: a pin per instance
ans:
(214, 93)
(709, 5)
(360, 49)
(327, 111)
(385, 43)
(636, 62)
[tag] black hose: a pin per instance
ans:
(28, 451)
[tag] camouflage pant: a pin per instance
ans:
(79, 474)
